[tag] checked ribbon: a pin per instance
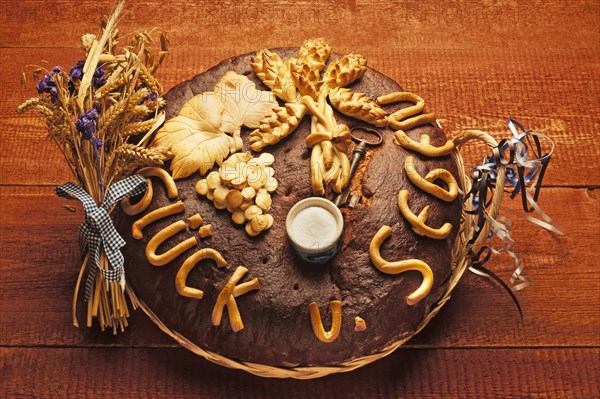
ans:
(98, 231)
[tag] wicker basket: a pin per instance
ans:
(461, 261)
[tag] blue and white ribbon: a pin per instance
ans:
(98, 231)
(525, 168)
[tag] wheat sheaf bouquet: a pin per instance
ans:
(100, 113)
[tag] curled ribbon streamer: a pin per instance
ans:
(511, 153)
(98, 231)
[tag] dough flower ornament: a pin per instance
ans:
(93, 112)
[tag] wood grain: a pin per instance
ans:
(423, 373)
(475, 63)
(41, 247)
(557, 100)
(573, 163)
(354, 24)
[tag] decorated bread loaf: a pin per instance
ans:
(207, 247)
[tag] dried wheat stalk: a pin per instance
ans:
(91, 112)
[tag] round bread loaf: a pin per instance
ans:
(277, 325)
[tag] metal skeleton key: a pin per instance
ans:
(359, 151)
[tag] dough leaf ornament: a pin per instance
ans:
(243, 104)
(207, 128)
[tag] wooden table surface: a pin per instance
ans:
(476, 63)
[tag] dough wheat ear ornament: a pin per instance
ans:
(359, 106)
(296, 81)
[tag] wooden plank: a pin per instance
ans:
(40, 263)
(560, 99)
(541, 83)
(475, 63)
(471, 83)
(421, 373)
(32, 159)
(411, 24)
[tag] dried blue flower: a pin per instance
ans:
(76, 72)
(99, 78)
(47, 82)
(53, 95)
(92, 114)
(86, 124)
(99, 143)
(41, 85)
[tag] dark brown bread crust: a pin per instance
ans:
(276, 317)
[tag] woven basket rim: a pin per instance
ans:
(460, 263)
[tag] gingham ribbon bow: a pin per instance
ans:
(98, 230)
